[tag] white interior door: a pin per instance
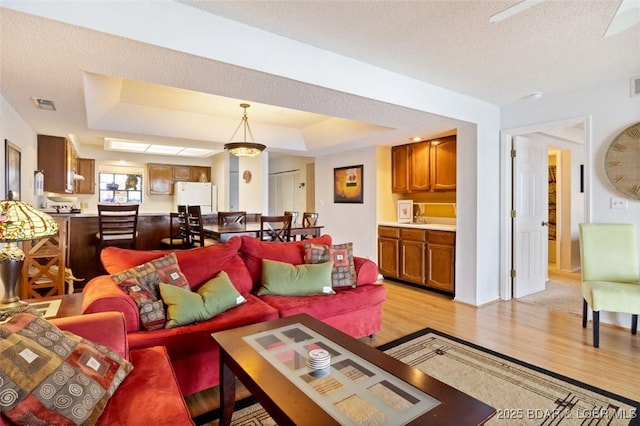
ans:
(530, 219)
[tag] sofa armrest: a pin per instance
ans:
(105, 328)
(101, 294)
(366, 270)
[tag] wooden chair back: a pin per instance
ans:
(309, 219)
(177, 238)
(196, 228)
(117, 224)
(275, 228)
(232, 218)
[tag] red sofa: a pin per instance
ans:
(194, 355)
(151, 384)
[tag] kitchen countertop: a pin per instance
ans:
(433, 226)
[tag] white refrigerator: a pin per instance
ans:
(203, 194)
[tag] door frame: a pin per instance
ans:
(506, 181)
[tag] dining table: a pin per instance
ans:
(224, 232)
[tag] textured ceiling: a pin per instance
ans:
(109, 86)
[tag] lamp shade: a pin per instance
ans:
(244, 148)
(19, 221)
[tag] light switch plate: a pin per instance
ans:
(618, 203)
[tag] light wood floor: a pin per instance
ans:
(552, 340)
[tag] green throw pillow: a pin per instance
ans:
(214, 297)
(285, 279)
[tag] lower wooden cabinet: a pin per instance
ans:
(419, 256)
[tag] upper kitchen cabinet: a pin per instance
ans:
(160, 179)
(86, 167)
(426, 166)
(182, 173)
(57, 159)
(163, 176)
(200, 174)
(444, 164)
(400, 167)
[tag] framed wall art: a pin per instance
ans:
(347, 184)
(12, 160)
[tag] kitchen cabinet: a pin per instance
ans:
(181, 173)
(200, 174)
(57, 159)
(420, 166)
(163, 176)
(441, 260)
(389, 251)
(424, 257)
(426, 166)
(86, 167)
(412, 255)
(160, 179)
(400, 167)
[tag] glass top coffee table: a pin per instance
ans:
(361, 385)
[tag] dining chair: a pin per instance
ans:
(610, 272)
(117, 225)
(309, 219)
(275, 228)
(196, 228)
(176, 236)
(232, 218)
(294, 220)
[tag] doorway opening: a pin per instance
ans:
(556, 254)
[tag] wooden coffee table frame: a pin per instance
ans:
(288, 405)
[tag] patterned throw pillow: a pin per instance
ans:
(141, 284)
(49, 376)
(344, 270)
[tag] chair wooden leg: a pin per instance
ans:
(634, 323)
(596, 329)
(584, 313)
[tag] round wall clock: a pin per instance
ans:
(622, 162)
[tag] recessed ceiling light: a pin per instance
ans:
(45, 104)
(136, 146)
(535, 95)
(416, 139)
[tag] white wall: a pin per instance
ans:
(354, 223)
(15, 130)
(610, 109)
(250, 195)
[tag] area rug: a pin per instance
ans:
(557, 296)
(522, 394)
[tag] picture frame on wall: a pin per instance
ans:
(348, 184)
(12, 164)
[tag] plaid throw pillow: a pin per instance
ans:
(49, 376)
(344, 270)
(142, 282)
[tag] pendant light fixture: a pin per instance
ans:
(244, 148)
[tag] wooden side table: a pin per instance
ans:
(70, 305)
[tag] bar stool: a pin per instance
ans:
(117, 225)
(196, 228)
(176, 237)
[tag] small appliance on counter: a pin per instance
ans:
(59, 204)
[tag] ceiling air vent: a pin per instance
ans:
(44, 104)
(635, 86)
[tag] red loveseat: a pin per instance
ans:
(194, 355)
(151, 384)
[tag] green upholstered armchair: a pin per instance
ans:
(610, 272)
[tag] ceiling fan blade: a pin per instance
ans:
(627, 16)
(513, 10)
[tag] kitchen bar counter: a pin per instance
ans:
(433, 226)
